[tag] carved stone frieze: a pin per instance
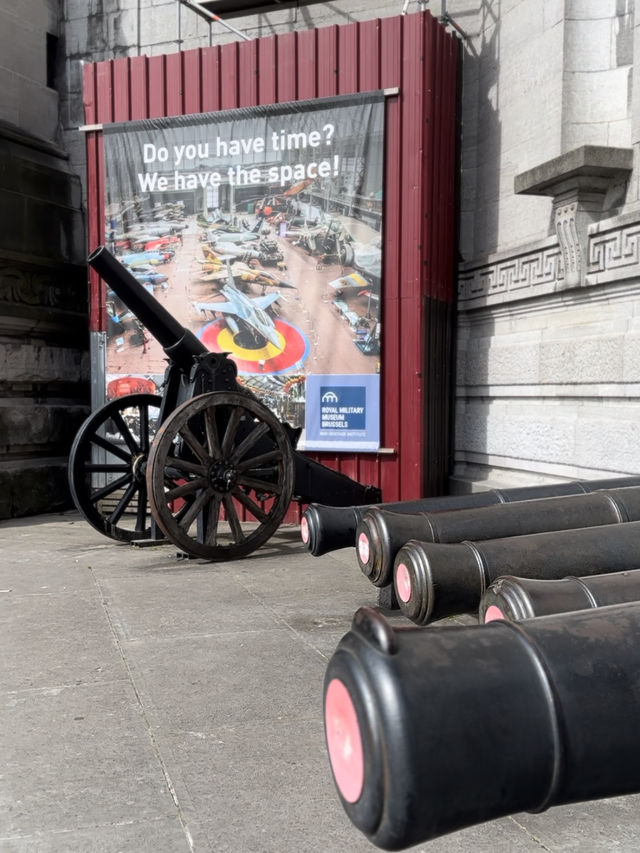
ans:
(39, 287)
(528, 273)
(613, 254)
(615, 251)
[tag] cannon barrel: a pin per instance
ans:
(180, 344)
(514, 598)
(325, 529)
(433, 581)
(429, 732)
(381, 534)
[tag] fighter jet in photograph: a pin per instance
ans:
(214, 268)
(138, 259)
(244, 314)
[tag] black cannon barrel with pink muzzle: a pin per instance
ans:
(434, 581)
(380, 534)
(326, 528)
(515, 598)
(432, 731)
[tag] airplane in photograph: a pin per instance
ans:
(224, 250)
(214, 268)
(137, 259)
(242, 312)
(147, 276)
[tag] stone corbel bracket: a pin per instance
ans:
(578, 182)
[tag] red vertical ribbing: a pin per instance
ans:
(121, 90)
(89, 73)
(157, 82)
(287, 67)
(410, 307)
(229, 76)
(327, 39)
(307, 65)
(267, 82)
(248, 73)
(104, 92)
(347, 59)
(192, 77)
(211, 79)
(391, 360)
(369, 56)
(174, 86)
(429, 203)
(139, 85)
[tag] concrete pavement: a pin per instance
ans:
(151, 704)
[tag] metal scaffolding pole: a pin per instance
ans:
(210, 16)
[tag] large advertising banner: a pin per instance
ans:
(259, 229)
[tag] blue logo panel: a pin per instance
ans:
(342, 410)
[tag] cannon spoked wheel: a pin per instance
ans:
(226, 451)
(107, 466)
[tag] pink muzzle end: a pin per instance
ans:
(304, 530)
(344, 741)
(492, 614)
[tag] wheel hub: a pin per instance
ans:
(222, 476)
(139, 467)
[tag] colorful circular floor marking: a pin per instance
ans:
(217, 337)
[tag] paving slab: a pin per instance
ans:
(161, 835)
(151, 703)
(76, 757)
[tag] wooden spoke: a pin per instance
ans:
(258, 461)
(202, 504)
(184, 466)
(211, 429)
(187, 488)
(125, 432)
(196, 507)
(232, 518)
(254, 508)
(260, 485)
(111, 447)
(123, 503)
(107, 471)
(230, 432)
(194, 445)
(254, 436)
(211, 533)
(109, 489)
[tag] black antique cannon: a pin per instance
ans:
(197, 461)
(433, 581)
(429, 732)
(381, 534)
(327, 528)
(514, 598)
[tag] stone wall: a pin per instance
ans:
(44, 371)
(548, 379)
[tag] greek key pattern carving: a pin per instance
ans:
(617, 250)
(516, 277)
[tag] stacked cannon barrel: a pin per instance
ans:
(430, 730)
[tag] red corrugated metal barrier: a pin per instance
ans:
(413, 53)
